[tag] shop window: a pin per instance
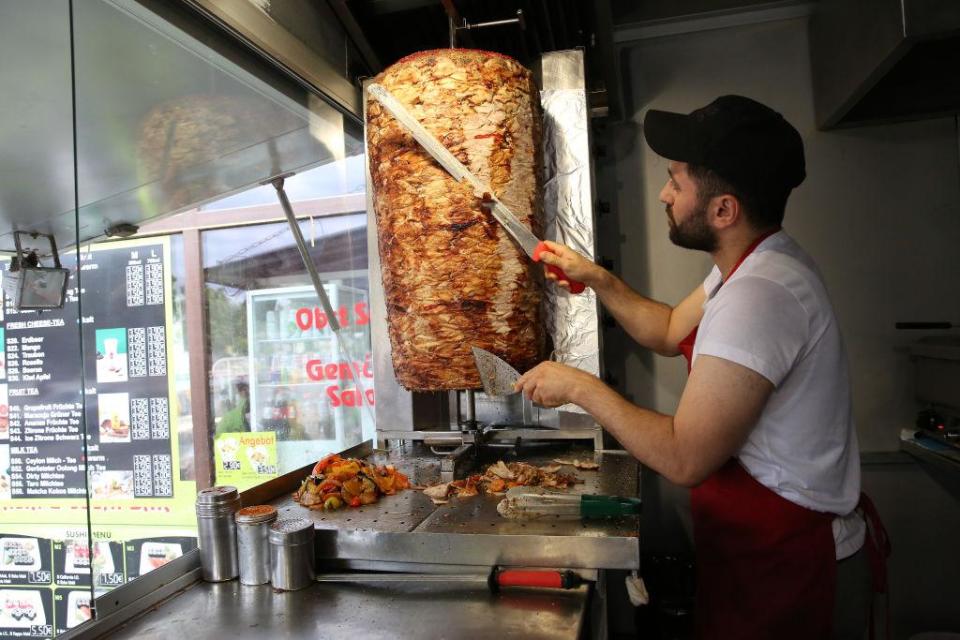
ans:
(284, 388)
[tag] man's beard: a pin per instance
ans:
(694, 232)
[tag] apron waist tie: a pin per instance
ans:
(878, 548)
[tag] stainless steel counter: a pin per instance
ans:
(368, 611)
(409, 528)
(403, 533)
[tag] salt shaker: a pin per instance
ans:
(291, 554)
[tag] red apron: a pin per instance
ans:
(766, 567)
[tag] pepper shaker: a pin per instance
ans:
(253, 546)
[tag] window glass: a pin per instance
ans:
(284, 389)
(98, 467)
(45, 558)
(171, 113)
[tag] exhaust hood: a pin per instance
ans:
(876, 61)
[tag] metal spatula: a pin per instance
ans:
(497, 376)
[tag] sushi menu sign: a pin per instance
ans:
(49, 574)
(100, 367)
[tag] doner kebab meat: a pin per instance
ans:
(502, 476)
(452, 277)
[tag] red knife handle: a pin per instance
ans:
(528, 578)
(575, 285)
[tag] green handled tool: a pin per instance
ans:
(530, 503)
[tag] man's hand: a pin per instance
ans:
(571, 263)
(551, 384)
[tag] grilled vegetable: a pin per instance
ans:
(337, 481)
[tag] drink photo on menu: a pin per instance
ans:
(111, 485)
(111, 355)
(113, 411)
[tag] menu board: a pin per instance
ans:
(95, 373)
(93, 383)
(125, 377)
(46, 571)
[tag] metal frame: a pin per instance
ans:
(254, 28)
(244, 216)
(195, 312)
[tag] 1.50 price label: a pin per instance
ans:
(110, 579)
(38, 577)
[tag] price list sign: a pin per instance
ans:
(125, 365)
(115, 391)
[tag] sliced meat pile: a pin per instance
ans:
(502, 476)
(586, 465)
(452, 277)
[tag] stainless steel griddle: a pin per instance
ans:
(410, 528)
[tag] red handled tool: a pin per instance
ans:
(575, 285)
(544, 579)
(530, 244)
(495, 580)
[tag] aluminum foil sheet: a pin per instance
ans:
(572, 320)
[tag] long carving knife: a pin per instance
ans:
(530, 244)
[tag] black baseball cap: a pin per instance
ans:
(746, 143)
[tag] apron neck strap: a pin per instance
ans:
(750, 249)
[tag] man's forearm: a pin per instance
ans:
(646, 321)
(647, 435)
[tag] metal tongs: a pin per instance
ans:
(531, 503)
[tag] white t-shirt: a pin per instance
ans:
(774, 316)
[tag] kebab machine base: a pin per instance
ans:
(404, 538)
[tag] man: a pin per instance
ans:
(237, 419)
(764, 431)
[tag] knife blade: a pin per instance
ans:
(531, 245)
(497, 376)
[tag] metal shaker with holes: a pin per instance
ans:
(292, 554)
(253, 529)
(217, 531)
